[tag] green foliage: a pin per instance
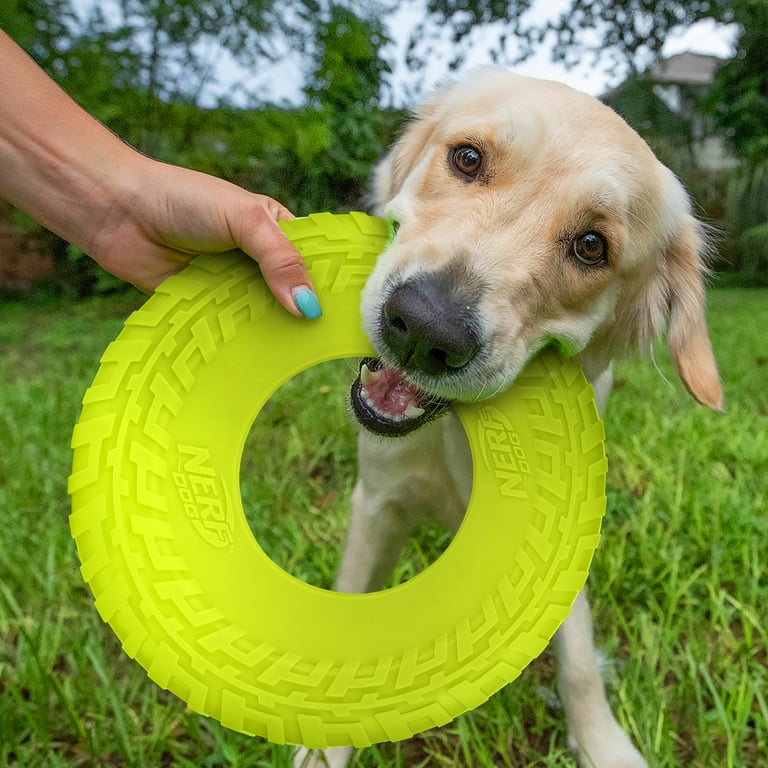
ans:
(669, 134)
(739, 104)
(455, 24)
(747, 222)
(143, 68)
(628, 33)
(739, 99)
(753, 250)
(347, 70)
(43, 28)
(748, 197)
(345, 86)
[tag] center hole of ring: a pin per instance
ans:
(297, 474)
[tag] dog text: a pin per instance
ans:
(202, 494)
(502, 453)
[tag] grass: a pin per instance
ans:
(679, 585)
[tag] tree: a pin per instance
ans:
(739, 100)
(125, 65)
(346, 67)
(739, 104)
(43, 28)
(627, 33)
(345, 87)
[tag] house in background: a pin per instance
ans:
(662, 105)
(667, 105)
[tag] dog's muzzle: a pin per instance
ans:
(427, 333)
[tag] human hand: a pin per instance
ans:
(140, 219)
(167, 215)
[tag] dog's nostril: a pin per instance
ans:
(455, 358)
(430, 361)
(398, 324)
(440, 360)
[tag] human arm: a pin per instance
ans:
(140, 219)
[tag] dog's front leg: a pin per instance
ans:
(594, 736)
(333, 757)
(402, 484)
(378, 528)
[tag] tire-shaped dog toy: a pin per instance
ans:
(178, 575)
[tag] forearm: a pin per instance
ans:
(138, 218)
(58, 164)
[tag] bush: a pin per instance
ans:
(746, 223)
(753, 246)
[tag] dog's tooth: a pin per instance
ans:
(367, 376)
(413, 411)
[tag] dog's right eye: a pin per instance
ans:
(466, 159)
(590, 249)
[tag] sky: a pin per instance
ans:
(281, 82)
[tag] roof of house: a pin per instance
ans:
(686, 68)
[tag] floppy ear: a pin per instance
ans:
(391, 172)
(689, 344)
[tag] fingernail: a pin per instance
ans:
(307, 303)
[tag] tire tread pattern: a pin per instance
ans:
(120, 446)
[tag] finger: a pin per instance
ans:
(282, 266)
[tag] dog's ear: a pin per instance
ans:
(689, 344)
(391, 172)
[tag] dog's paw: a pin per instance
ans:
(333, 757)
(610, 748)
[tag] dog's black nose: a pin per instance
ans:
(428, 326)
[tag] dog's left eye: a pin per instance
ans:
(466, 159)
(590, 249)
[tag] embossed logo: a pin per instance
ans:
(502, 453)
(203, 495)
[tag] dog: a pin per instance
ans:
(528, 214)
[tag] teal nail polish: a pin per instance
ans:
(307, 303)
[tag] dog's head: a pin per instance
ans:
(529, 214)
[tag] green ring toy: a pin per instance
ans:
(178, 575)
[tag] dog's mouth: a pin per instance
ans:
(387, 404)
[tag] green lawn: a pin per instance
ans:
(679, 584)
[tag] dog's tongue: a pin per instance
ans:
(389, 394)
(386, 403)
